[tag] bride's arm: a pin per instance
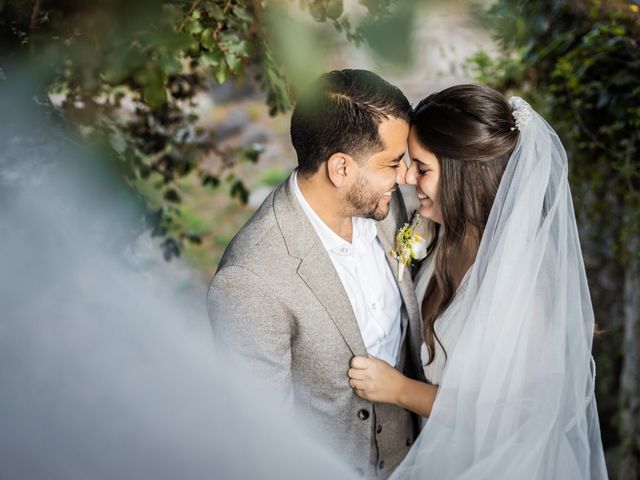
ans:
(377, 381)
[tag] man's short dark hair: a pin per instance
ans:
(341, 112)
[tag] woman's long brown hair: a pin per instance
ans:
(471, 131)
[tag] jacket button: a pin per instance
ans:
(379, 429)
(409, 442)
(381, 464)
(359, 472)
(363, 414)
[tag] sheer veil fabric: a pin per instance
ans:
(516, 399)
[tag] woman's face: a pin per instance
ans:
(424, 173)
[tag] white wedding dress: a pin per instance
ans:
(516, 392)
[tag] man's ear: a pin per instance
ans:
(341, 169)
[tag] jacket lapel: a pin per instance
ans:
(387, 229)
(411, 326)
(318, 273)
(316, 268)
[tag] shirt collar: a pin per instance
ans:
(364, 229)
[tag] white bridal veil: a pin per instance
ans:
(516, 400)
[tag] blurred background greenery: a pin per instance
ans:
(189, 100)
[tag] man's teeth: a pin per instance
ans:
(422, 196)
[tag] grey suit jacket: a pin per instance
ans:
(277, 299)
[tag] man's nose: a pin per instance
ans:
(401, 172)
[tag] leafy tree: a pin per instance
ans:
(156, 56)
(579, 62)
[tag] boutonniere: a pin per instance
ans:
(411, 243)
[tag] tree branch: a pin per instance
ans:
(186, 18)
(34, 16)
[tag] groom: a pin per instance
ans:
(309, 281)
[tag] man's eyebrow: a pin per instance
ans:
(398, 158)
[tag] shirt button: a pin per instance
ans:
(363, 414)
(374, 306)
(344, 250)
(381, 464)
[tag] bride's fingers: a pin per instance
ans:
(360, 362)
(358, 387)
(356, 373)
(360, 393)
(359, 383)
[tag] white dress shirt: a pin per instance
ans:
(366, 277)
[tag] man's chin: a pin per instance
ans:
(376, 212)
(380, 213)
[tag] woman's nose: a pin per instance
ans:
(410, 177)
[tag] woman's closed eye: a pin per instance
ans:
(421, 168)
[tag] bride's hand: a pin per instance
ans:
(375, 380)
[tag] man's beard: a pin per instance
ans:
(363, 202)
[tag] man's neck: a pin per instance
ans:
(325, 204)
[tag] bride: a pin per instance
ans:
(506, 312)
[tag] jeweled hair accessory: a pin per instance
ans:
(521, 112)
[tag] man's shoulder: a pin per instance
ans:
(257, 238)
(260, 242)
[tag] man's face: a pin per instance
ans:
(370, 194)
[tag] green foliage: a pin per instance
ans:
(128, 74)
(274, 176)
(580, 64)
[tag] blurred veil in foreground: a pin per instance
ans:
(103, 372)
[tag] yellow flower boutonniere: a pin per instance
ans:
(411, 244)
